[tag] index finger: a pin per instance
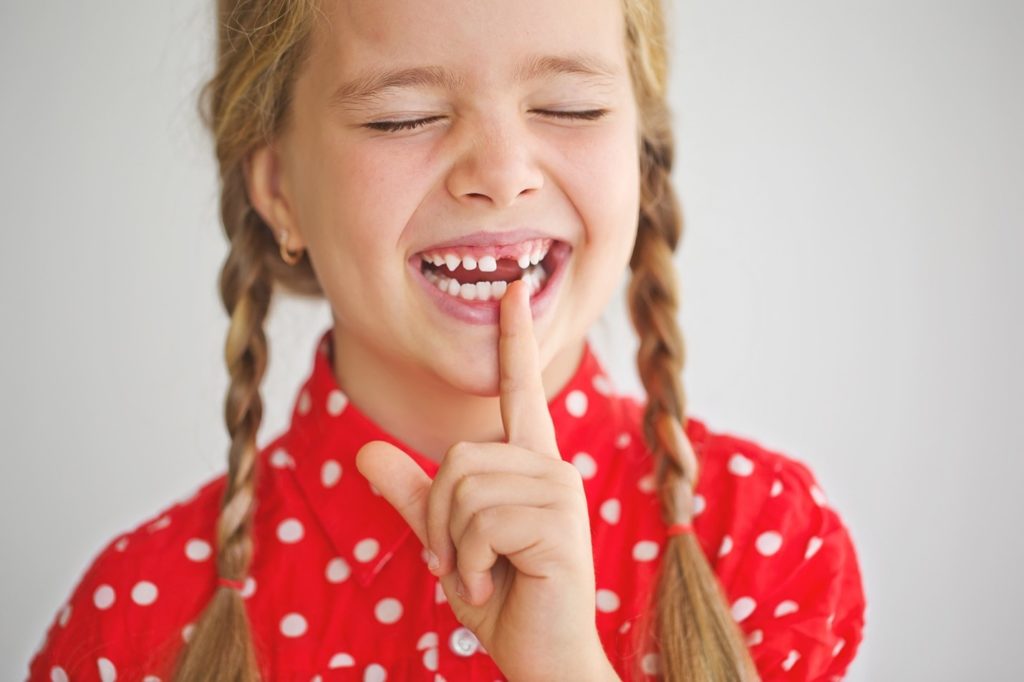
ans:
(524, 407)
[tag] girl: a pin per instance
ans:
(461, 494)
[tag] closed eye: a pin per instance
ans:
(395, 126)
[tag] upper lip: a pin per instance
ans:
(488, 238)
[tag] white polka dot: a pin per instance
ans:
(150, 678)
(103, 597)
(645, 550)
(576, 403)
(388, 610)
(108, 673)
(186, 632)
(330, 473)
(611, 510)
(249, 588)
(651, 664)
(341, 660)
(838, 647)
(623, 441)
(602, 385)
(831, 617)
(790, 659)
(281, 460)
(375, 672)
(755, 638)
(336, 402)
(726, 546)
(160, 523)
(430, 659)
(338, 570)
(57, 674)
(65, 614)
(776, 488)
(768, 543)
(819, 497)
(198, 550)
(293, 625)
(743, 607)
(144, 593)
(740, 465)
(699, 504)
(121, 544)
(366, 550)
(290, 531)
(585, 464)
(316, 678)
(624, 628)
(427, 640)
(813, 545)
(607, 601)
(785, 608)
(647, 484)
(304, 403)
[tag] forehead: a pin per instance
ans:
(478, 39)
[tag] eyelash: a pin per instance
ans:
(394, 126)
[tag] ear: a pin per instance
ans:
(262, 170)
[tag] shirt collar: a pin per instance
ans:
(327, 430)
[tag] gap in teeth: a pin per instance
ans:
(534, 255)
(535, 276)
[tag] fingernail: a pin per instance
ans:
(433, 563)
(460, 589)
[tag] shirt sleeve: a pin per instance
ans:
(81, 642)
(801, 601)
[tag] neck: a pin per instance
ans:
(422, 411)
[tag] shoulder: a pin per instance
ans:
(786, 558)
(130, 606)
(782, 553)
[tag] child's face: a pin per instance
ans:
(489, 159)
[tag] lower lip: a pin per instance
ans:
(488, 312)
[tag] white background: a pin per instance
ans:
(853, 184)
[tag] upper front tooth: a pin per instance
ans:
(535, 257)
(469, 262)
(488, 264)
(452, 261)
(437, 261)
(524, 261)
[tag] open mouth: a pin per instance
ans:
(483, 275)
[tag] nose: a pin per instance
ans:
(495, 164)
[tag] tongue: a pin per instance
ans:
(508, 270)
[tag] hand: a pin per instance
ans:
(510, 520)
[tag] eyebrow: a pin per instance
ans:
(367, 87)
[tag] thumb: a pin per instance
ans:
(400, 481)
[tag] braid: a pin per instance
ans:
(245, 288)
(696, 634)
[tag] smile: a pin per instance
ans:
(468, 282)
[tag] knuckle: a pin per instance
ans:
(464, 492)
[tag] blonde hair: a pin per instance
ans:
(261, 46)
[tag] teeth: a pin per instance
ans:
(536, 252)
(535, 278)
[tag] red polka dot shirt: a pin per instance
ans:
(339, 588)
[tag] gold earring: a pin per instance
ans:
(290, 257)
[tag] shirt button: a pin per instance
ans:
(463, 642)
